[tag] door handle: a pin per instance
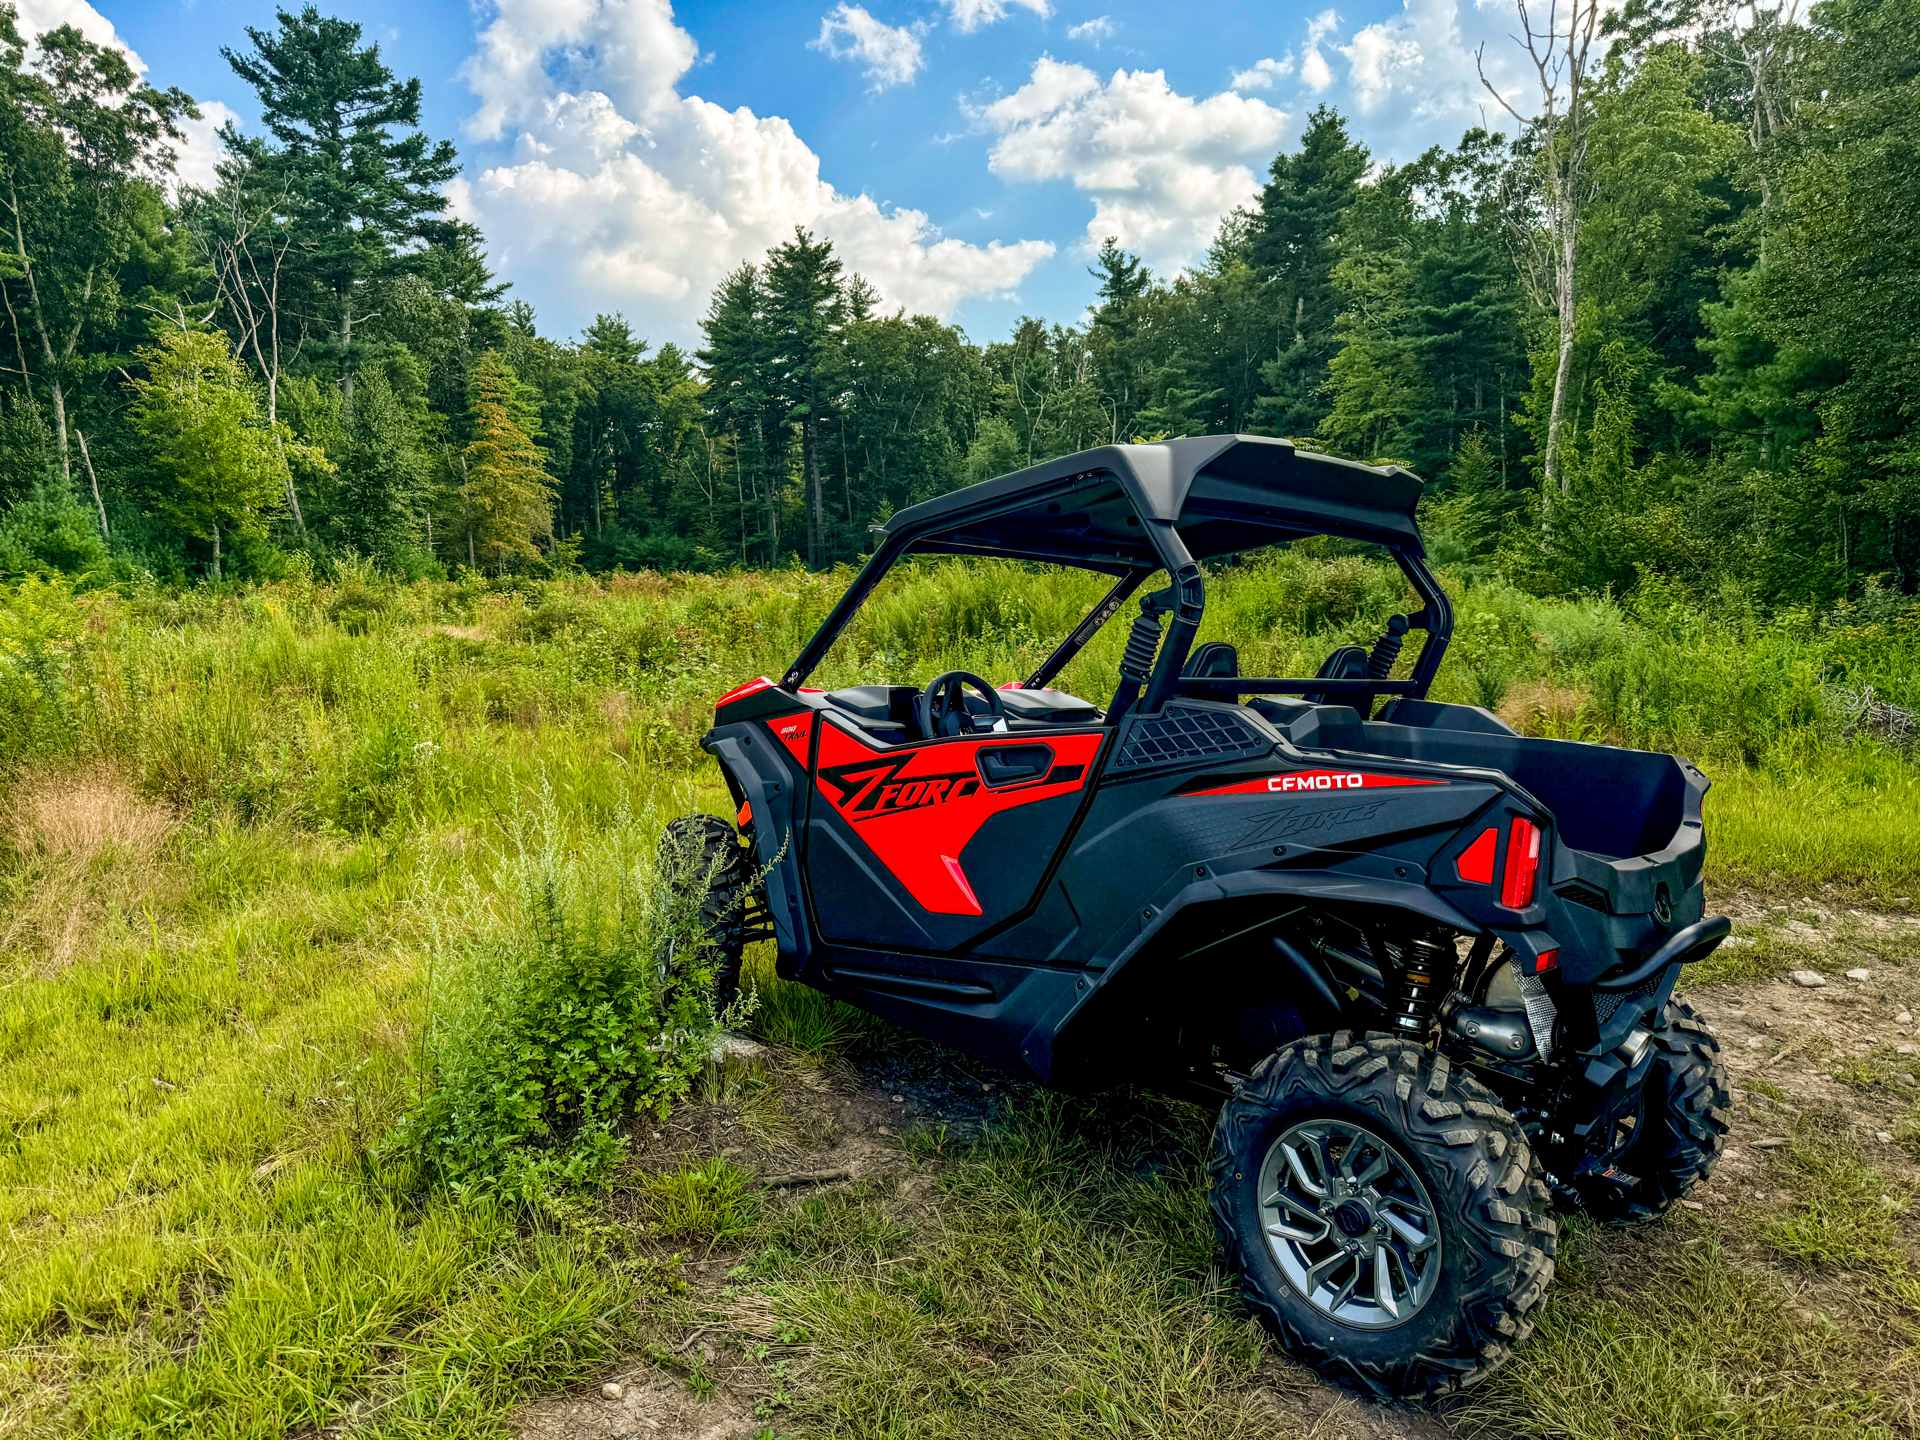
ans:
(1006, 765)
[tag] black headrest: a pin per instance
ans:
(1217, 660)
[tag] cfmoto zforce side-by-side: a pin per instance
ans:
(1423, 963)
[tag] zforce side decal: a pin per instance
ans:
(1314, 781)
(917, 808)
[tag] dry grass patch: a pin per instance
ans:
(1542, 708)
(83, 843)
(83, 813)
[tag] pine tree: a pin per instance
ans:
(360, 200)
(377, 500)
(508, 493)
(805, 311)
(742, 398)
(1295, 247)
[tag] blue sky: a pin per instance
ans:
(965, 154)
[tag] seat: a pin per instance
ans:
(1348, 662)
(885, 712)
(1217, 660)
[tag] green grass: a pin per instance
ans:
(1070, 1289)
(1849, 820)
(253, 845)
(1686, 1340)
(707, 1201)
(800, 1017)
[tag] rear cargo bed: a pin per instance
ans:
(1606, 801)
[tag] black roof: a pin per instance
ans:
(1221, 493)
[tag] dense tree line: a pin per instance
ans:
(1667, 327)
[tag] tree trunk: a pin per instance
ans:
(59, 393)
(286, 474)
(216, 550)
(346, 347)
(87, 456)
(1564, 367)
(816, 513)
(471, 563)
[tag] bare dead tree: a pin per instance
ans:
(1561, 44)
(247, 247)
(1760, 40)
(98, 504)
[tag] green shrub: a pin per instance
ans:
(580, 993)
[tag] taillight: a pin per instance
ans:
(1523, 862)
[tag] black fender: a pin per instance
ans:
(767, 783)
(1077, 1050)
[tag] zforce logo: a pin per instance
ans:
(867, 789)
(1279, 825)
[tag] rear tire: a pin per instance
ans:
(703, 852)
(1441, 1165)
(1680, 1132)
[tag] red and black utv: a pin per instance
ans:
(1423, 963)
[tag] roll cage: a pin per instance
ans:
(1131, 510)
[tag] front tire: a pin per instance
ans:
(703, 854)
(1679, 1128)
(1384, 1214)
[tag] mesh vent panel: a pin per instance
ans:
(1180, 734)
(1582, 895)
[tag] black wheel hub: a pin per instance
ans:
(1353, 1218)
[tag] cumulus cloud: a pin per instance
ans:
(199, 150)
(1162, 167)
(889, 53)
(1263, 74)
(1418, 68)
(1377, 59)
(1314, 68)
(969, 15)
(615, 191)
(1100, 28)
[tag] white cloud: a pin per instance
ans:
(1262, 74)
(199, 149)
(1162, 168)
(1378, 59)
(616, 191)
(969, 15)
(1100, 28)
(890, 53)
(1314, 69)
(1417, 70)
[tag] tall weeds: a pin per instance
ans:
(570, 986)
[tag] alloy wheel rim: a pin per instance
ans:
(1350, 1224)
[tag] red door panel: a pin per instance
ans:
(915, 808)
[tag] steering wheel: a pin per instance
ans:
(942, 710)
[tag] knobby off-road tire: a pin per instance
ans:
(1681, 1128)
(704, 851)
(1438, 1136)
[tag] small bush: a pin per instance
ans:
(582, 993)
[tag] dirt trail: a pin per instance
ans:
(841, 1126)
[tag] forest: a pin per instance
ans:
(1665, 328)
